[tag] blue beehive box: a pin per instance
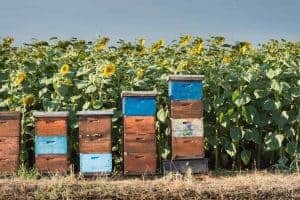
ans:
(185, 87)
(96, 162)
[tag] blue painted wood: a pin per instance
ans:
(185, 90)
(139, 106)
(96, 162)
(50, 145)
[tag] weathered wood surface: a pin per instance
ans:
(9, 127)
(139, 106)
(51, 163)
(187, 147)
(9, 163)
(95, 112)
(50, 145)
(139, 125)
(96, 162)
(94, 144)
(186, 109)
(91, 125)
(186, 77)
(51, 126)
(182, 166)
(190, 127)
(135, 143)
(39, 114)
(139, 163)
(138, 94)
(9, 146)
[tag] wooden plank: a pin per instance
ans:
(135, 143)
(139, 163)
(139, 125)
(39, 114)
(52, 163)
(138, 94)
(9, 127)
(9, 146)
(190, 127)
(139, 106)
(10, 115)
(51, 126)
(50, 145)
(185, 90)
(93, 163)
(95, 112)
(9, 163)
(94, 145)
(186, 109)
(186, 77)
(182, 166)
(190, 147)
(91, 125)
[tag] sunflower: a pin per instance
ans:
(244, 47)
(197, 48)
(8, 41)
(219, 40)
(20, 78)
(102, 44)
(64, 69)
(109, 70)
(227, 59)
(142, 42)
(140, 73)
(184, 40)
(28, 100)
(156, 46)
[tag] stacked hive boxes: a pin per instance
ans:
(51, 142)
(95, 141)
(139, 109)
(9, 141)
(185, 94)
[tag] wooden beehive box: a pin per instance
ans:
(9, 142)
(95, 141)
(51, 152)
(185, 94)
(139, 135)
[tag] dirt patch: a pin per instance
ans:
(249, 186)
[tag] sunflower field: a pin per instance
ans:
(251, 93)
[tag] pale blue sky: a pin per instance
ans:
(251, 20)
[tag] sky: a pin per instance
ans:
(238, 20)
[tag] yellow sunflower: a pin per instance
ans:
(142, 42)
(244, 47)
(102, 44)
(8, 41)
(197, 48)
(156, 46)
(64, 69)
(109, 70)
(227, 59)
(28, 100)
(140, 73)
(185, 40)
(20, 78)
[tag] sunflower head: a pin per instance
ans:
(185, 40)
(64, 69)
(140, 73)
(227, 59)
(156, 46)
(28, 100)
(243, 47)
(109, 70)
(197, 47)
(7, 41)
(20, 78)
(102, 44)
(219, 40)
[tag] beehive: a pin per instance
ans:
(185, 94)
(139, 135)
(9, 141)
(51, 142)
(95, 141)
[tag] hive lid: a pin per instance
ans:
(50, 114)
(185, 77)
(139, 93)
(15, 114)
(96, 112)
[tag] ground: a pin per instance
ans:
(249, 185)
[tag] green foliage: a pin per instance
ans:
(251, 94)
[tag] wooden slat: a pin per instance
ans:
(135, 143)
(9, 163)
(94, 145)
(96, 163)
(9, 146)
(9, 127)
(186, 109)
(139, 125)
(189, 127)
(89, 125)
(190, 147)
(139, 163)
(51, 126)
(139, 106)
(52, 163)
(185, 90)
(186, 77)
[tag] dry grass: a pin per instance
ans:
(261, 185)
